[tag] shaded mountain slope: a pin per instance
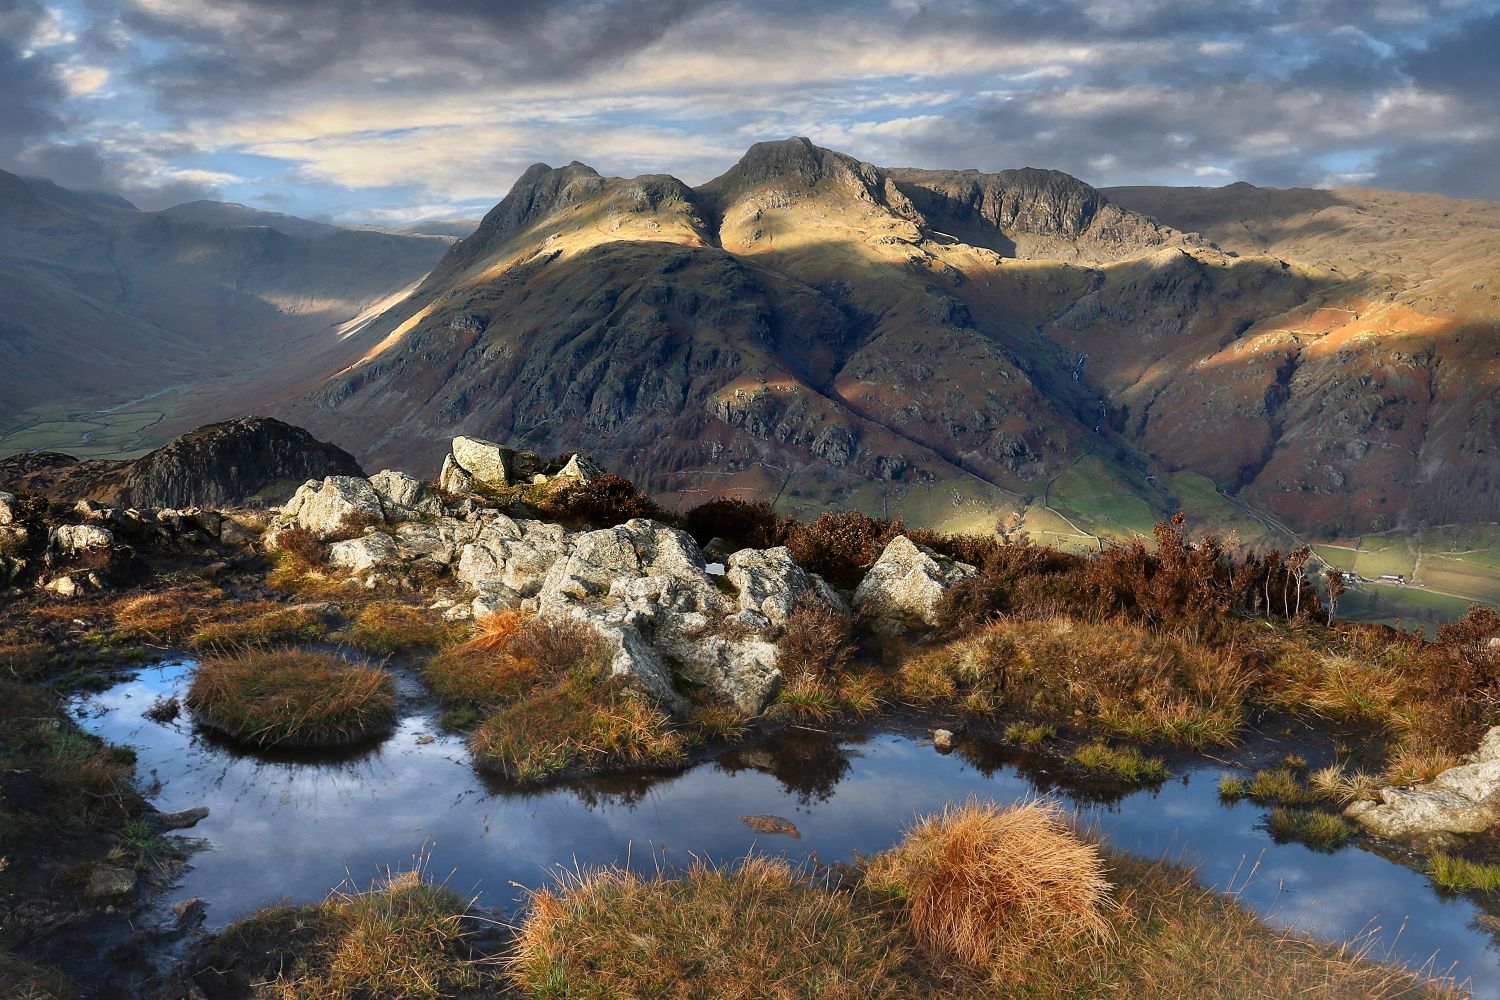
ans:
(103, 300)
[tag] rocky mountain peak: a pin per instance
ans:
(796, 165)
(537, 193)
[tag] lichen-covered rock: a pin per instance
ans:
(110, 883)
(7, 508)
(741, 669)
(358, 556)
(326, 508)
(770, 582)
(404, 498)
(1406, 811)
(71, 539)
(1462, 799)
(906, 585)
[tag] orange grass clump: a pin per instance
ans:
(988, 886)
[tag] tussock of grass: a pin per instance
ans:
(1028, 734)
(404, 937)
(1455, 874)
(509, 655)
(259, 625)
(165, 616)
(578, 726)
(1134, 681)
(1337, 785)
(1309, 826)
(1120, 763)
(292, 698)
(990, 888)
(757, 930)
(387, 627)
(1409, 765)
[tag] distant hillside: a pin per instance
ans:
(103, 301)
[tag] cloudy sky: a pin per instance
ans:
(390, 110)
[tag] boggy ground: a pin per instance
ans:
(1108, 665)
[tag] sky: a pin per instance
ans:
(389, 111)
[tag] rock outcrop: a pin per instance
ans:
(1462, 799)
(643, 586)
(250, 461)
(906, 585)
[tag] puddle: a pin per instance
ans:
(292, 827)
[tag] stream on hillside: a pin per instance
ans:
(284, 826)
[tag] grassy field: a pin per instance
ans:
(1408, 606)
(1199, 498)
(1098, 499)
(124, 431)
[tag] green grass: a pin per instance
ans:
(1103, 502)
(1278, 785)
(1028, 734)
(1455, 874)
(1462, 576)
(1410, 606)
(1120, 763)
(1198, 497)
(1316, 829)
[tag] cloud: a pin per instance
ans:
(371, 106)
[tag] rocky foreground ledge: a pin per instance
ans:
(668, 613)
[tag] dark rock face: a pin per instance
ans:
(219, 465)
(227, 464)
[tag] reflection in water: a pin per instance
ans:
(293, 827)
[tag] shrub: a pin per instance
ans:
(604, 502)
(1319, 830)
(757, 930)
(579, 726)
(301, 546)
(839, 545)
(990, 887)
(292, 698)
(386, 627)
(743, 523)
(817, 639)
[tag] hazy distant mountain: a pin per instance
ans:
(102, 300)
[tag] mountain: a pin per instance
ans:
(953, 345)
(103, 301)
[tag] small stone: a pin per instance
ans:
(189, 911)
(110, 883)
(942, 739)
